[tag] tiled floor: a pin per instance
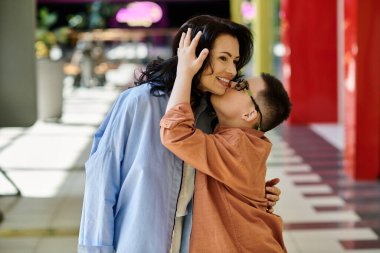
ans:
(46, 163)
(323, 211)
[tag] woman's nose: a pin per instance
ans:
(231, 69)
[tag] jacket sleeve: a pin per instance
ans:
(103, 179)
(211, 154)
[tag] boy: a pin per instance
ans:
(229, 199)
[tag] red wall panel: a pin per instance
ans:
(350, 53)
(309, 33)
(362, 88)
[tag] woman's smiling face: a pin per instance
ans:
(223, 58)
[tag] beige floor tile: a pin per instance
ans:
(18, 245)
(57, 245)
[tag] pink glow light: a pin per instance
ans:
(248, 10)
(140, 14)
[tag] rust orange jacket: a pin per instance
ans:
(229, 199)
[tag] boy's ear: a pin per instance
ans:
(250, 115)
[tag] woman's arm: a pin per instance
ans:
(103, 177)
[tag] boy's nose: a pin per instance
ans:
(232, 84)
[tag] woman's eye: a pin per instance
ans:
(223, 58)
(236, 62)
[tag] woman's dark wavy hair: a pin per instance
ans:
(161, 73)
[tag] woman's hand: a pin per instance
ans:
(272, 194)
(188, 63)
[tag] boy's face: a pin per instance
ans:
(233, 105)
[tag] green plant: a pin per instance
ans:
(46, 38)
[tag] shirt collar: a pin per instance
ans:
(247, 130)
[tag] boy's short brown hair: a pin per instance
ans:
(276, 105)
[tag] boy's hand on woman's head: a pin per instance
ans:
(272, 194)
(188, 62)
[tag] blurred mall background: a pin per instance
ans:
(63, 63)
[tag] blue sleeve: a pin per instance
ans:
(103, 178)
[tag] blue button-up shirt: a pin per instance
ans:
(132, 181)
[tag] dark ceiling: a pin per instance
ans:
(121, 1)
(176, 11)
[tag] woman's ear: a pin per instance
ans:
(250, 115)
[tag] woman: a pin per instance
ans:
(135, 189)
